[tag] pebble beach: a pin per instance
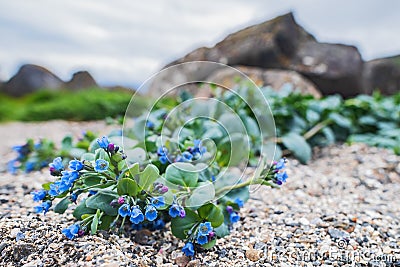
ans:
(342, 209)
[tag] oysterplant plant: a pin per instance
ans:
(107, 190)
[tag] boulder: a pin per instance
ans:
(334, 68)
(31, 78)
(274, 78)
(81, 79)
(382, 74)
(281, 44)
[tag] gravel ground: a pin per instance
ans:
(342, 209)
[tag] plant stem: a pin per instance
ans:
(314, 130)
(236, 186)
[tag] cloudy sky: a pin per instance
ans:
(125, 41)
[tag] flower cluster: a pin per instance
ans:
(111, 192)
(280, 176)
(135, 213)
(192, 153)
(31, 156)
(202, 235)
(233, 214)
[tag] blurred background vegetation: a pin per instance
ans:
(82, 105)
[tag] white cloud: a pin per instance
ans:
(125, 41)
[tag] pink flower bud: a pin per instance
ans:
(121, 200)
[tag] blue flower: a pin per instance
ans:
(136, 215)
(202, 239)
(198, 148)
(44, 207)
(149, 124)
(29, 166)
(38, 195)
(188, 249)
(73, 197)
(186, 156)
(71, 232)
(58, 187)
(75, 165)
(11, 166)
(162, 151)
(205, 228)
(158, 224)
(158, 202)
(280, 164)
(175, 210)
(124, 210)
(151, 213)
(163, 159)
(239, 202)
(234, 217)
(92, 192)
(56, 165)
(281, 177)
(137, 227)
(101, 165)
(69, 177)
(197, 143)
(103, 142)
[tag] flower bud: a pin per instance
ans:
(121, 200)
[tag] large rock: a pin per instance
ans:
(31, 78)
(334, 68)
(382, 74)
(265, 77)
(81, 79)
(281, 44)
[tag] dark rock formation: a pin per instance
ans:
(383, 75)
(31, 78)
(81, 79)
(282, 44)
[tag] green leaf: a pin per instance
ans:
(226, 179)
(136, 154)
(62, 206)
(106, 221)
(234, 149)
(222, 230)
(329, 135)
(127, 186)
(211, 213)
(340, 120)
(232, 123)
(242, 193)
(82, 209)
(180, 226)
(134, 169)
(102, 201)
(181, 173)
(298, 146)
(46, 186)
(148, 177)
(91, 180)
(95, 223)
(66, 143)
(203, 193)
(210, 244)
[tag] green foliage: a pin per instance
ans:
(302, 121)
(83, 105)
